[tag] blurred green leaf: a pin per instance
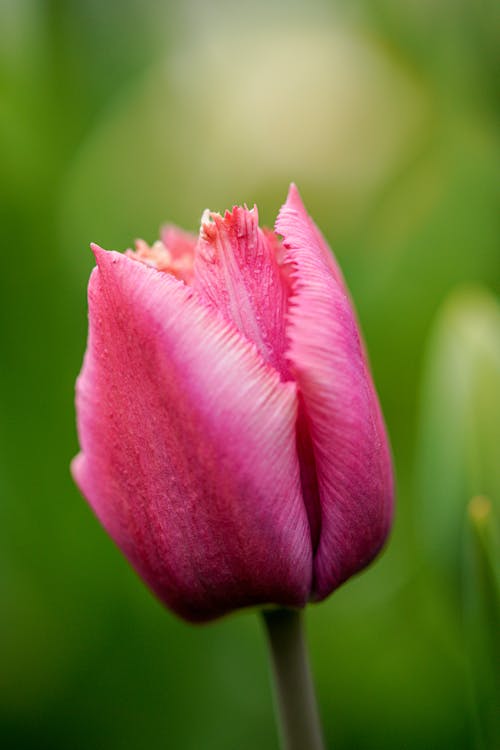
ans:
(460, 421)
(481, 599)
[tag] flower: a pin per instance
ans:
(231, 438)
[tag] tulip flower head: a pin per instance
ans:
(232, 442)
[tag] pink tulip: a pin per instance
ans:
(232, 442)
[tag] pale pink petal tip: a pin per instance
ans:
(294, 199)
(96, 249)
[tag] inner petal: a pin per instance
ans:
(173, 254)
(237, 272)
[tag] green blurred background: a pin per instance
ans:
(115, 117)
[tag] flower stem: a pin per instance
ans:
(293, 685)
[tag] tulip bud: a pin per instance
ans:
(232, 442)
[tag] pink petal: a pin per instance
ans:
(173, 254)
(180, 243)
(237, 273)
(351, 452)
(188, 447)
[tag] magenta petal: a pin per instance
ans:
(236, 272)
(173, 254)
(351, 452)
(188, 447)
(180, 243)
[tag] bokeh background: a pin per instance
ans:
(115, 117)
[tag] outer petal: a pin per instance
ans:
(236, 272)
(353, 464)
(188, 447)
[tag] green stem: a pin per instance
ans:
(293, 685)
